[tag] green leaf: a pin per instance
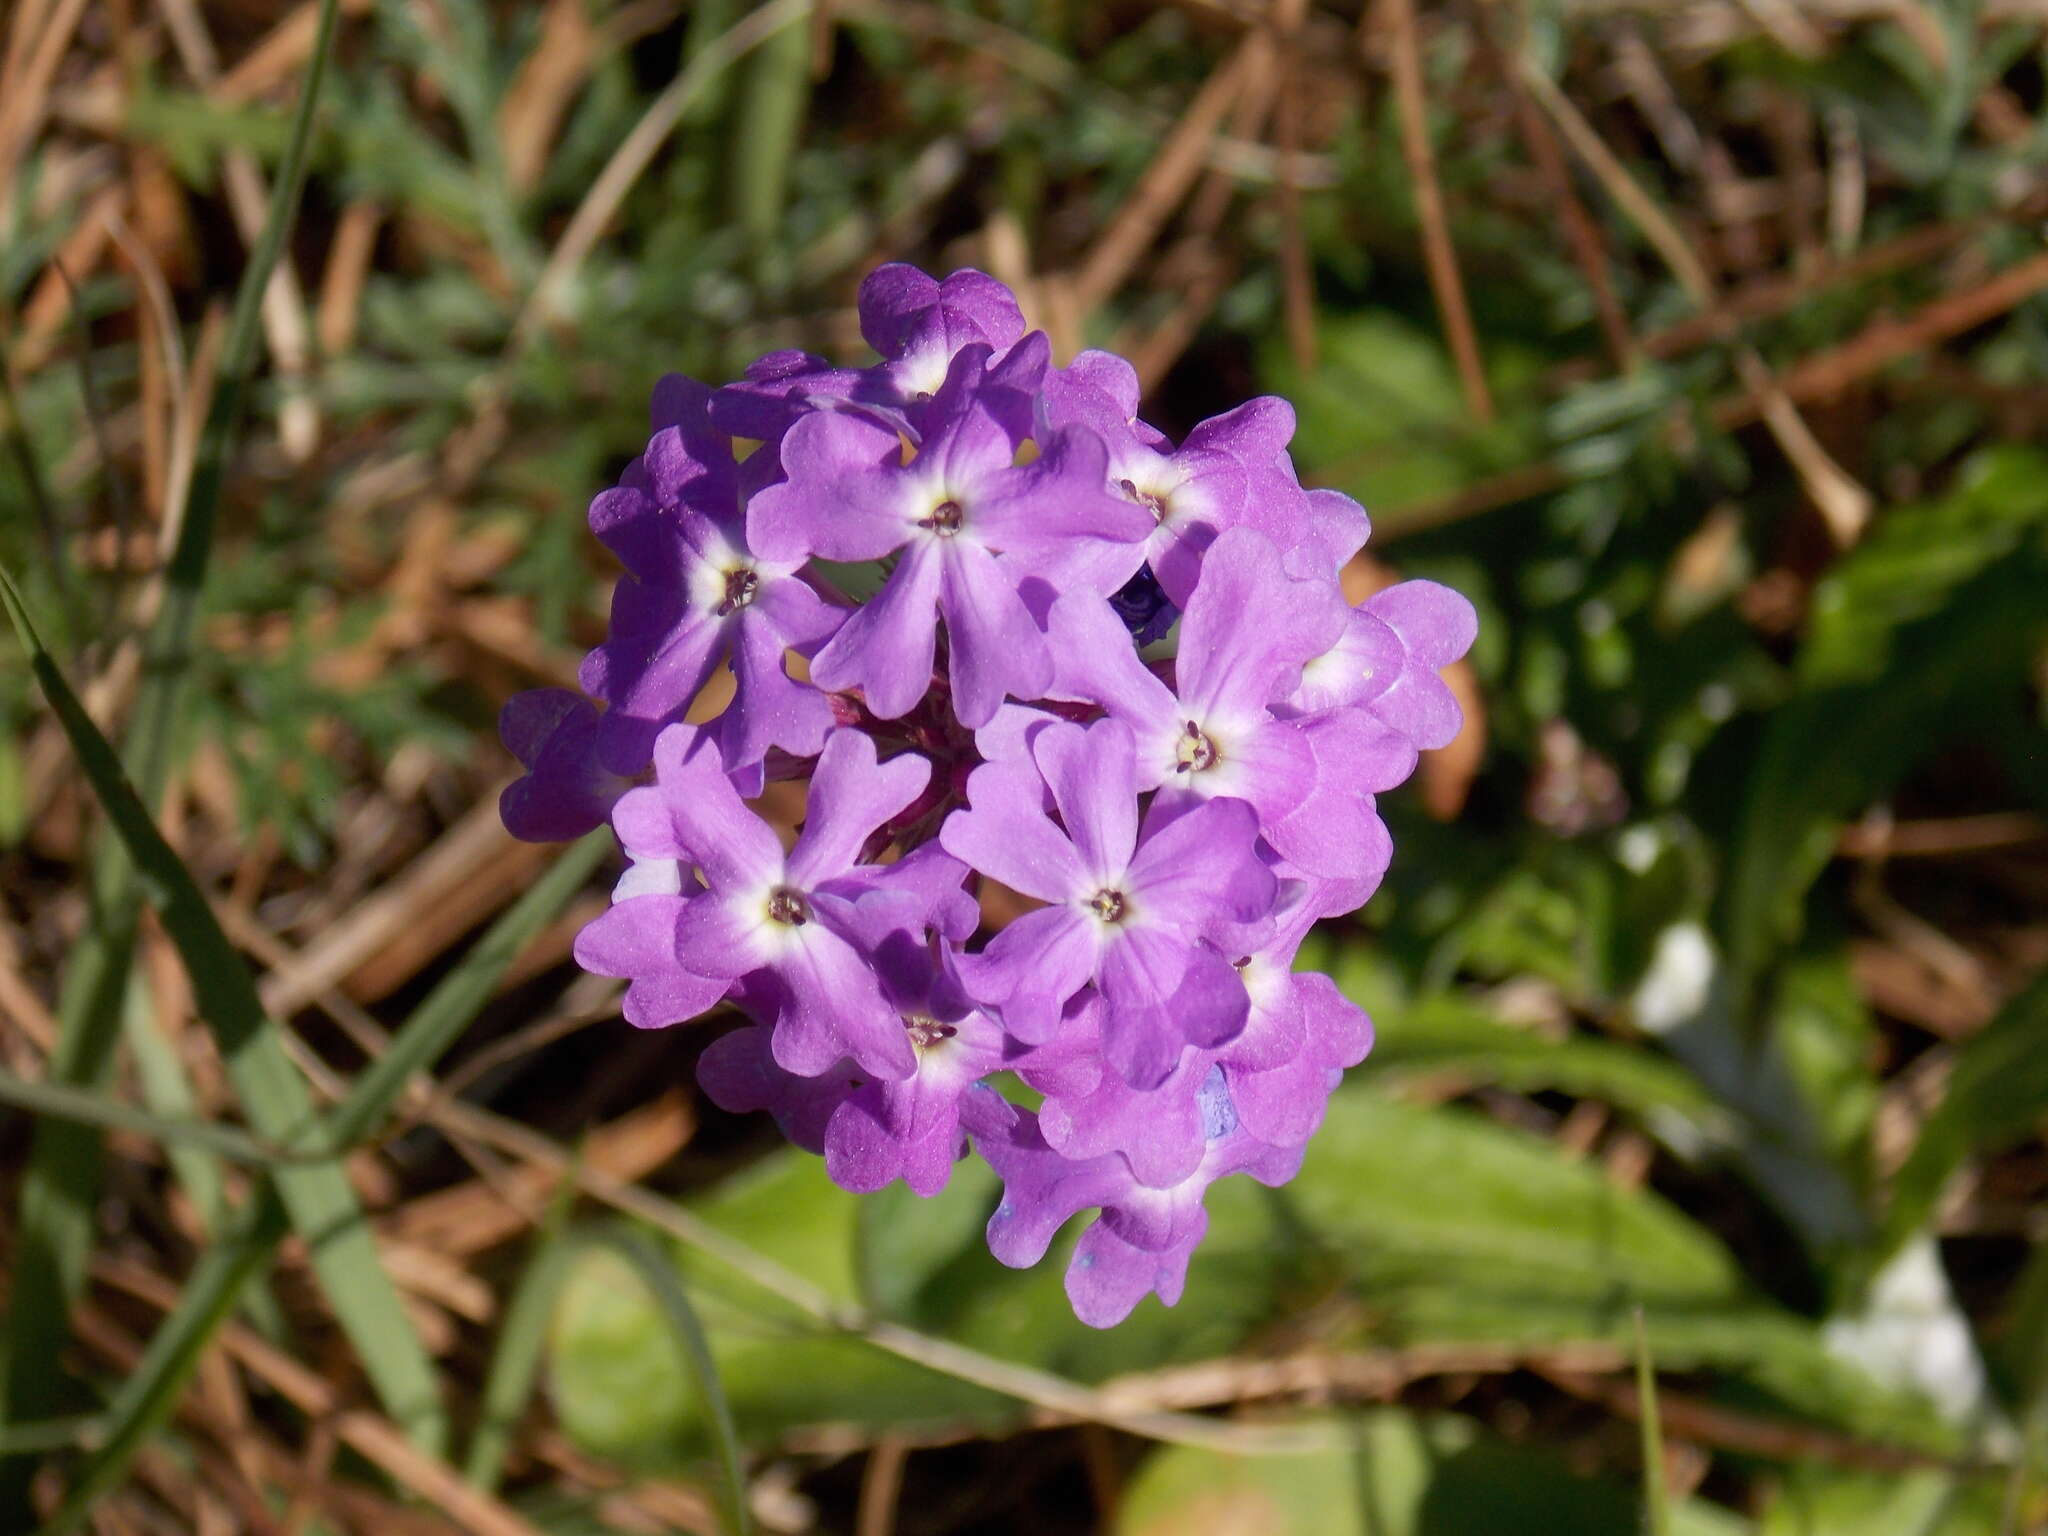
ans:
(150, 1391)
(521, 1343)
(1815, 1500)
(1408, 1189)
(1407, 1475)
(1826, 754)
(1448, 1036)
(1996, 1093)
(1656, 1496)
(663, 1286)
(1382, 416)
(903, 1242)
(1916, 558)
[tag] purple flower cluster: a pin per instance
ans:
(1116, 675)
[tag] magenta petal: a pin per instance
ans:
(636, 940)
(1041, 1189)
(1009, 838)
(1095, 662)
(842, 498)
(1436, 623)
(1108, 1277)
(1284, 1106)
(1250, 626)
(726, 840)
(1159, 1132)
(1034, 966)
(739, 1074)
(715, 938)
(1201, 865)
(1091, 774)
(566, 790)
(996, 649)
(833, 1007)
(769, 707)
(886, 648)
(1162, 995)
(851, 795)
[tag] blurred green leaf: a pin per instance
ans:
(1816, 1500)
(1410, 1475)
(1826, 754)
(1383, 418)
(1916, 558)
(1997, 1093)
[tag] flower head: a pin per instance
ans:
(984, 716)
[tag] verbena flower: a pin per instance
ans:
(984, 717)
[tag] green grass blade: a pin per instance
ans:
(658, 1273)
(151, 1390)
(452, 1005)
(522, 1339)
(62, 1102)
(274, 1096)
(774, 96)
(1656, 1497)
(168, 1094)
(61, 1187)
(1994, 1097)
(168, 651)
(137, 1412)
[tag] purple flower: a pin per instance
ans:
(917, 324)
(1126, 913)
(985, 718)
(565, 791)
(696, 596)
(966, 523)
(1247, 631)
(1144, 1237)
(788, 919)
(1388, 658)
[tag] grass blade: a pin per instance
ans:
(1656, 1497)
(168, 1094)
(453, 1005)
(666, 1287)
(63, 1102)
(61, 1186)
(522, 1336)
(154, 1388)
(151, 1390)
(317, 1195)
(775, 94)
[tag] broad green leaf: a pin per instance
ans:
(904, 1242)
(1816, 1500)
(1403, 1186)
(1409, 1475)
(1383, 418)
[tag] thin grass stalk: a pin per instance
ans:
(522, 1338)
(1656, 1497)
(666, 1288)
(61, 1186)
(274, 1095)
(243, 1252)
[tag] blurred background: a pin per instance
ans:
(1700, 342)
